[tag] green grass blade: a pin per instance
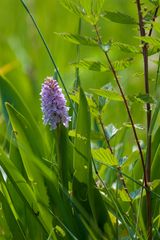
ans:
(24, 191)
(9, 94)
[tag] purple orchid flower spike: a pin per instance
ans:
(53, 104)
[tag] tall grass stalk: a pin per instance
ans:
(49, 53)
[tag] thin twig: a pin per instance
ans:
(130, 178)
(118, 168)
(158, 71)
(148, 107)
(125, 103)
(110, 148)
(104, 132)
(121, 178)
(153, 20)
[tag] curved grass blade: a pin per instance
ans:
(49, 53)
(9, 94)
(84, 188)
(24, 191)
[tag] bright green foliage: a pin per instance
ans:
(84, 182)
(91, 65)
(111, 95)
(78, 39)
(119, 17)
(100, 67)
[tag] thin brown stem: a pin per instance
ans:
(104, 132)
(126, 105)
(118, 168)
(148, 107)
(153, 19)
(149, 113)
(121, 178)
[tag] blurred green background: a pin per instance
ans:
(27, 63)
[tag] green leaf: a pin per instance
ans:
(115, 207)
(94, 135)
(155, 42)
(60, 231)
(155, 163)
(137, 194)
(148, 17)
(126, 47)
(97, 66)
(119, 17)
(24, 190)
(78, 39)
(12, 218)
(145, 98)
(84, 187)
(154, 117)
(92, 6)
(83, 9)
(136, 125)
(123, 195)
(155, 2)
(64, 153)
(92, 105)
(9, 94)
(93, 9)
(82, 153)
(156, 26)
(155, 183)
(91, 65)
(111, 131)
(120, 65)
(73, 7)
(12, 221)
(111, 95)
(104, 156)
(132, 158)
(153, 50)
(142, 98)
(24, 138)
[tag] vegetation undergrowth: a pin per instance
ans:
(91, 171)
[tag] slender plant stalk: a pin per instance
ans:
(153, 19)
(125, 103)
(111, 151)
(146, 81)
(77, 76)
(119, 174)
(103, 129)
(130, 178)
(117, 224)
(49, 53)
(157, 74)
(110, 148)
(149, 113)
(107, 190)
(77, 81)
